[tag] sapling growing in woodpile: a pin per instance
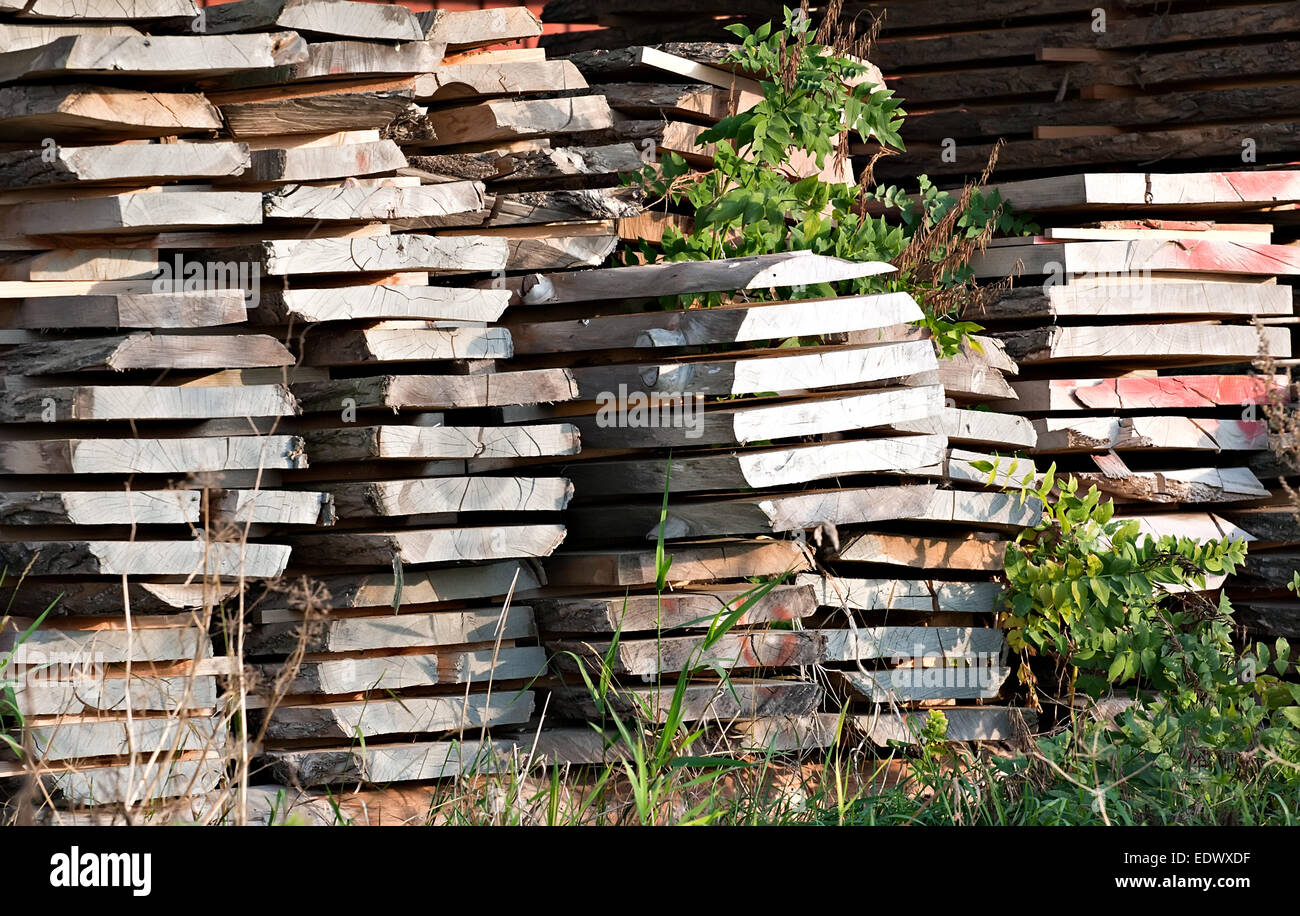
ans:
(776, 182)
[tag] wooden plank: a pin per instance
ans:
(1136, 230)
(73, 110)
(787, 734)
(847, 593)
(95, 10)
(774, 514)
(18, 36)
(145, 402)
(381, 674)
(311, 109)
(129, 507)
(676, 278)
(939, 682)
(1275, 525)
(983, 723)
(143, 163)
(511, 120)
(589, 210)
(747, 698)
(66, 597)
(382, 764)
(407, 715)
(670, 654)
(758, 468)
(1100, 117)
(693, 563)
(900, 643)
(395, 631)
(343, 18)
(994, 510)
(1151, 70)
(141, 212)
(151, 456)
(439, 391)
(470, 80)
(365, 442)
(1199, 142)
(90, 264)
(677, 100)
(382, 198)
(107, 785)
(1200, 526)
(1212, 256)
(59, 646)
(1008, 471)
(495, 56)
(1181, 485)
(972, 551)
(147, 558)
(669, 62)
(282, 165)
(380, 592)
(555, 252)
(813, 368)
(380, 254)
(273, 507)
(73, 739)
(567, 166)
(680, 609)
(462, 29)
(974, 427)
(1186, 344)
(1268, 569)
(1163, 191)
(642, 424)
(428, 545)
(728, 324)
(1101, 434)
(968, 376)
(91, 695)
(1110, 296)
(128, 310)
(348, 303)
(430, 495)
(678, 137)
(175, 56)
(1276, 618)
(332, 60)
(403, 341)
(147, 351)
(186, 243)
(1170, 392)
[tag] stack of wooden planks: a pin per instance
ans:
(1067, 83)
(1153, 321)
(252, 264)
(115, 711)
(773, 429)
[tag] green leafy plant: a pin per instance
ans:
(767, 190)
(1116, 610)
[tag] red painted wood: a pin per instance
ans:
(1180, 391)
